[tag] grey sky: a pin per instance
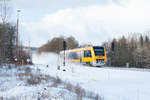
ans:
(34, 9)
(92, 21)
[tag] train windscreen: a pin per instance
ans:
(99, 51)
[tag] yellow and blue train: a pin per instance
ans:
(92, 55)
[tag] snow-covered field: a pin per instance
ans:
(110, 84)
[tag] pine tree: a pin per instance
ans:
(141, 41)
(7, 37)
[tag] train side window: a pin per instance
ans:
(73, 55)
(87, 53)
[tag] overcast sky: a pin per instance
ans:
(89, 21)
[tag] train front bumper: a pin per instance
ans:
(100, 63)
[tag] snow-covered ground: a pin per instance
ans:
(109, 83)
(14, 87)
(112, 84)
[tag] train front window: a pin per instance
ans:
(99, 51)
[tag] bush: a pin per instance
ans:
(56, 82)
(27, 70)
(34, 79)
(69, 87)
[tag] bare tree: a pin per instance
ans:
(4, 11)
(71, 43)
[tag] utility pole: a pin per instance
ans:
(64, 46)
(29, 48)
(17, 33)
(18, 11)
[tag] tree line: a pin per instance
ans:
(56, 44)
(134, 50)
(9, 52)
